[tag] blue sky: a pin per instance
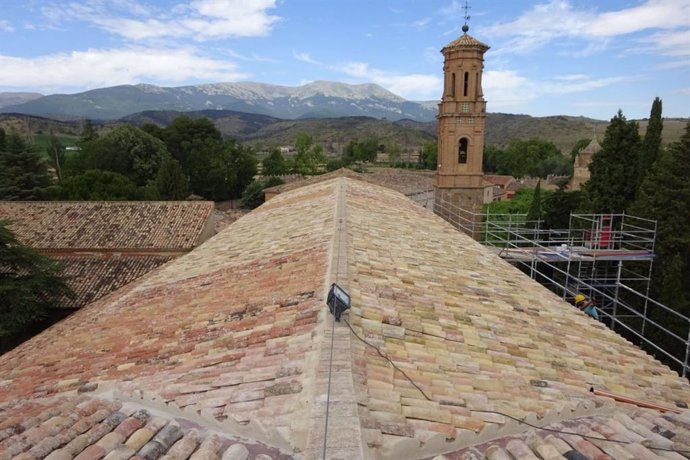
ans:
(549, 57)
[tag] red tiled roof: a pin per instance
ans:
(92, 277)
(107, 224)
(498, 180)
(466, 41)
(235, 337)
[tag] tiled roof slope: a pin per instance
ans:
(225, 332)
(234, 338)
(474, 333)
(107, 225)
(91, 277)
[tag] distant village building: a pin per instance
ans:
(503, 186)
(581, 165)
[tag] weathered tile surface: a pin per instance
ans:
(230, 339)
(471, 331)
(107, 224)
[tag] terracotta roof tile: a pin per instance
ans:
(92, 277)
(233, 338)
(466, 41)
(107, 224)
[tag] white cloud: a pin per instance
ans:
(652, 14)
(557, 19)
(97, 68)
(415, 87)
(200, 20)
(304, 57)
(506, 89)
(5, 26)
(670, 43)
(421, 24)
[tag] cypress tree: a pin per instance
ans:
(665, 197)
(651, 144)
(171, 182)
(613, 170)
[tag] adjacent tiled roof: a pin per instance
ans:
(234, 338)
(107, 224)
(105, 245)
(501, 180)
(93, 276)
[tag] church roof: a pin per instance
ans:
(466, 41)
(444, 346)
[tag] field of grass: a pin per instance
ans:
(41, 142)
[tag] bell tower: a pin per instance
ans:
(461, 121)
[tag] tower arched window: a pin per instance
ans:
(452, 85)
(462, 150)
(466, 84)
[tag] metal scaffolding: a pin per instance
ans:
(607, 257)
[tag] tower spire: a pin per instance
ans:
(467, 8)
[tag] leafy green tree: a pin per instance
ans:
(56, 152)
(3, 138)
(534, 211)
(651, 144)
(674, 291)
(184, 136)
(221, 170)
(365, 150)
(430, 155)
(154, 130)
(492, 158)
(171, 182)
(613, 179)
(274, 164)
(520, 203)
(30, 285)
(394, 152)
(309, 155)
(96, 185)
(23, 171)
(559, 205)
(534, 157)
(88, 133)
(253, 196)
(126, 150)
(334, 164)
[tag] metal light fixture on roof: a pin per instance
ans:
(338, 301)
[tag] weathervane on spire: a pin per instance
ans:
(467, 7)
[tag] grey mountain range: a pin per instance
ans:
(319, 99)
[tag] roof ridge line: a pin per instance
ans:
(334, 425)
